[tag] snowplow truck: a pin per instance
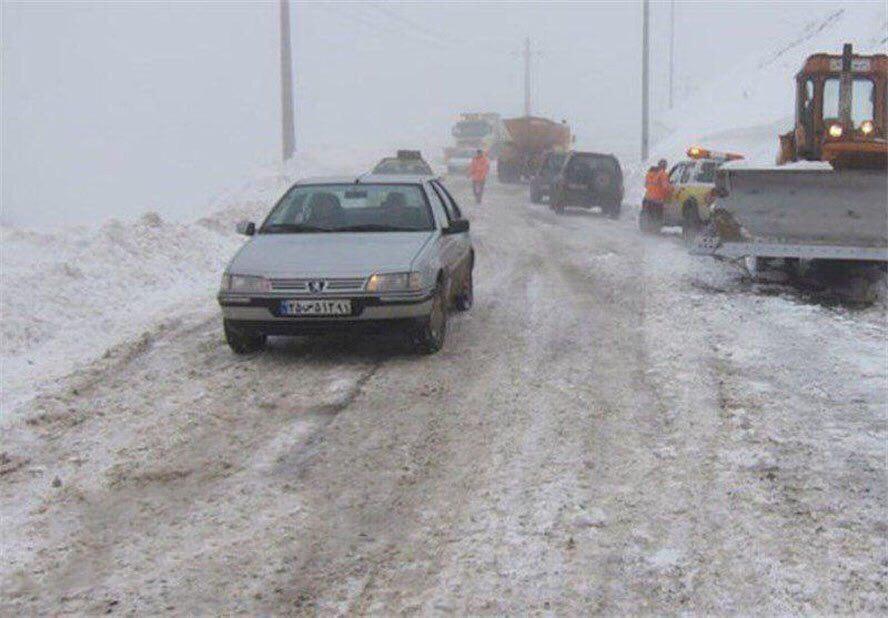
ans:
(530, 139)
(827, 196)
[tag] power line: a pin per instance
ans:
(414, 26)
(371, 15)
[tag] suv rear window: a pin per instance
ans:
(584, 166)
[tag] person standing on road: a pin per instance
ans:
(478, 169)
(657, 190)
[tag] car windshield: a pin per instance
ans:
(402, 166)
(584, 166)
(471, 128)
(350, 208)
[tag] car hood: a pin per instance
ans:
(346, 254)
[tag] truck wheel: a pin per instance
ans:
(242, 342)
(557, 205)
(536, 196)
(612, 211)
(690, 222)
(429, 337)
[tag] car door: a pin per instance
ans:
(699, 186)
(678, 178)
(457, 247)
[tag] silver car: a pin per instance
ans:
(372, 253)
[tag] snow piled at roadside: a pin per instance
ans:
(68, 294)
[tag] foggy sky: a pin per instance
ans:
(115, 109)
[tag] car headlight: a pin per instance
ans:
(867, 127)
(395, 282)
(245, 284)
(835, 130)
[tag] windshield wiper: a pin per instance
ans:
(284, 228)
(376, 227)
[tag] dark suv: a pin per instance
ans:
(544, 180)
(589, 180)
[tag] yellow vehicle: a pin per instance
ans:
(693, 189)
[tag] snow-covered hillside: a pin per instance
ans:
(748, 105)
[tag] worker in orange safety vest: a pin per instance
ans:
(478, 169)
(657, 190)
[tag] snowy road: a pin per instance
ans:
(615, 427)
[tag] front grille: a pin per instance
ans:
(335, 285)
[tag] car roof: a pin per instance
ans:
(402, 179)
(396, 178)
(594, 154)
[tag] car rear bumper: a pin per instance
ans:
(590, 199)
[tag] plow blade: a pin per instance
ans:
(803, 213)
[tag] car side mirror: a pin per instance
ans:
(457, 226)
(247, 228)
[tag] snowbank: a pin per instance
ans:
(67, 294)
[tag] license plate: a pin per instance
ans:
(315, 307)
(575, 186)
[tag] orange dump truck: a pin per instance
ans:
(530, 139)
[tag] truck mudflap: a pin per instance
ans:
(796, 212)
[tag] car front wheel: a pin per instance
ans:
(690, 222)
(242, 342)
(429, 337)
(466, 296)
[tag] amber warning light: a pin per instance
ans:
(695, 152)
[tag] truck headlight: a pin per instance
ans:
(245, 284)
(835, 130)
(395, 282)
(867, 127)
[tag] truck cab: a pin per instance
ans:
(472, 132)
(840, 111)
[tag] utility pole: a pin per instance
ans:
(644, 79)
(527, 76)
(288, 133)
(671, 51)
